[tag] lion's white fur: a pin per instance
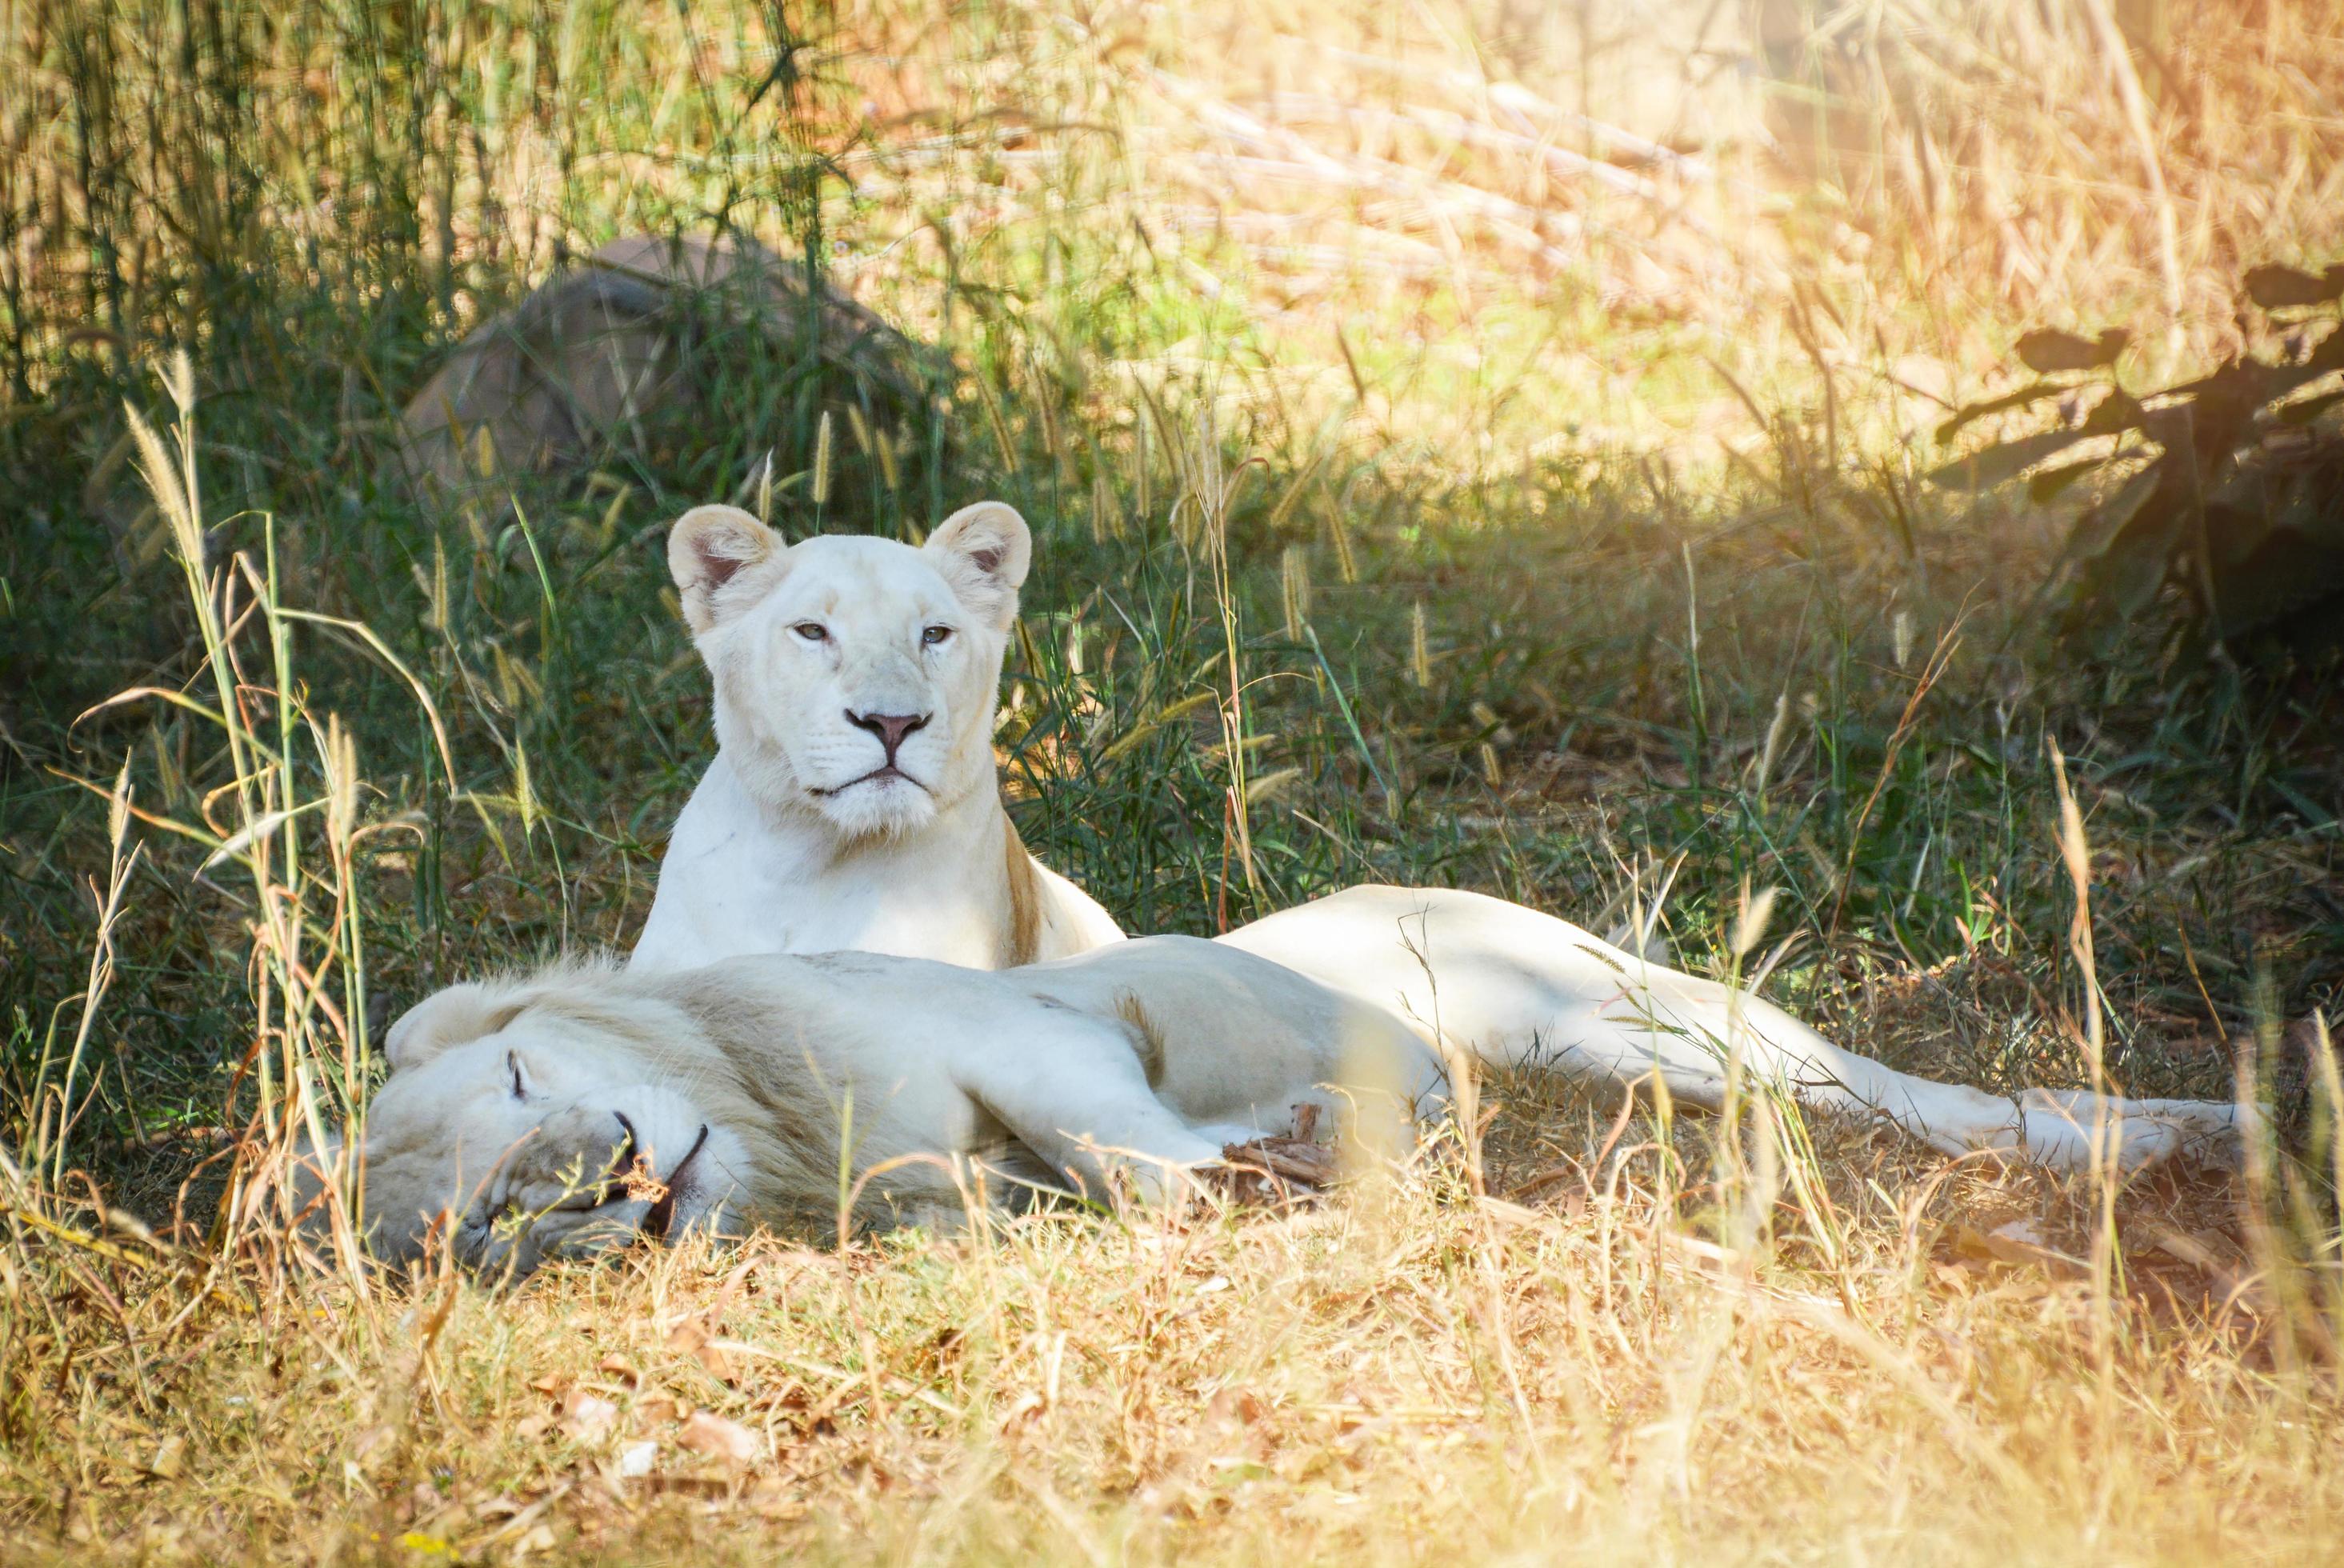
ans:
(747, 874)
(1140, 1060)
(798, 838)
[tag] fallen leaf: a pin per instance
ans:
(658, 1408)
(2019, 1244)
(1285, 1159)
(445, 1524)
(588, 1418)
(1237, 1405)
(535, 1426)
(616, 1367)
(695, 1337)
(1513, 1215)
(170, 1460)
(717, 1438)
(2213, 1255)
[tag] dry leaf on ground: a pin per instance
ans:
(717, 1438)
(588, 1418)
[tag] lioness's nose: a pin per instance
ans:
(891, 728)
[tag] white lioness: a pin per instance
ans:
(799, 841)
(581, 1108)
(852, 802)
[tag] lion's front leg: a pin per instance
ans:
(1071, 1089)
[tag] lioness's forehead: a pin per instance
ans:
(881, 578)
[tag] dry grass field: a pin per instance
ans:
(1472, 443)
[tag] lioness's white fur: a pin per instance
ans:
(748, 1088)
(1515, 986)
(761, 869)
(803, 837)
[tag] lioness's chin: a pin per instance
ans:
(890, 809)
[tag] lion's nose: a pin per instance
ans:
(891, 728)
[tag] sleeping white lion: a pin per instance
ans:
(854, 803)
(582, 1106)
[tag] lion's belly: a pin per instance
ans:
(912, 1113)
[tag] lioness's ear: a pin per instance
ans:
(983, 552)
(455, 1016)
(706, 550)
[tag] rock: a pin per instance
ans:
(627, 340)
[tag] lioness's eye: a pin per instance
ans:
(812, 630)
(512, 1064)
(936, 636)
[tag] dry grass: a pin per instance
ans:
(1405, 1374)
(1457, 222)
